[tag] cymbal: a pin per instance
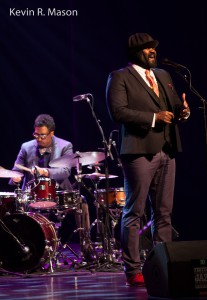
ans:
(96, 175)
(72, 160)
(9, 174)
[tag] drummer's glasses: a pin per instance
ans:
(41, 136)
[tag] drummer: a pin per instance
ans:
(35, 155)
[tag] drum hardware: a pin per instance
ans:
(60, 254)
(21, 202)
(102, 237)
(80, 229)
(103, 255)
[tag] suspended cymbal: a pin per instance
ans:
(9, 174)
(72, 160)
(96, 176)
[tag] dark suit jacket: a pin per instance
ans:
(28, 157)
(132, 103)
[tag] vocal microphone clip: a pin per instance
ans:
(82, 97)
(110, 138)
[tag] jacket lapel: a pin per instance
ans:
(143, 83)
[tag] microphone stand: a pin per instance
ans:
(118, 157)
(204, 102)
(108, 257)
(25, 251)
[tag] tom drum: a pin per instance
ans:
(67, 199)
(43, 193)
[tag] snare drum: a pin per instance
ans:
(67, 199)
(43, 193)
(33, 242)
(7, 203)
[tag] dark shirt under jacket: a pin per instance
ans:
(29, 157)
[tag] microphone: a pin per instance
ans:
(82, 97)
(171, 63)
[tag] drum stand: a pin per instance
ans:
(60, 251)
(105, 240)
(18, 192)
(87, 252)
(65, 257)
(98, 221)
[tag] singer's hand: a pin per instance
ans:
(41, 171)
(164, 117)
(185, 111)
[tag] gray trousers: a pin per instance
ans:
(144, 176)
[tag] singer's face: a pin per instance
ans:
(43, 136)
(147, 58)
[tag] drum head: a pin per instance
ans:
(43, 204)
(17, 230)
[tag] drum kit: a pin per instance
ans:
(31, 239)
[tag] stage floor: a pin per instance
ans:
(70, 277)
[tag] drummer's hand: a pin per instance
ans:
(16, 179)
(40, 171)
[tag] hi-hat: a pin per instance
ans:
(96, 176)
(9, 174)
(72, 160)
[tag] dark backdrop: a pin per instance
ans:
(45, 61)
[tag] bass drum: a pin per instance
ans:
(28, 241)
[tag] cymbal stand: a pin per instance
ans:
(62, 246)
(19, 202)
(85, 242)
(108, 257)
(79, 179)
(99, 229)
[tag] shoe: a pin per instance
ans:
(135, 280)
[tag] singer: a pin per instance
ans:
(143, 100)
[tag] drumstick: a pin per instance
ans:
(23, 168)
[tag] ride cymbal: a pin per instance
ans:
(72, 160)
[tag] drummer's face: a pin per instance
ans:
(43, 136)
